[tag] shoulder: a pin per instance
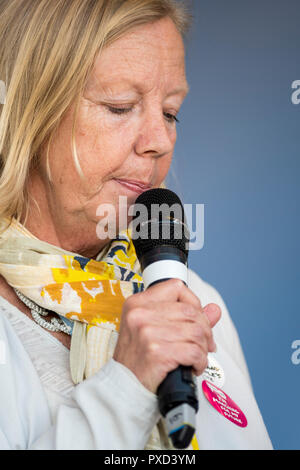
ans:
(225, 332)
(14, 356)
(7, 333)
(205, 291)
(209, 294)
(21, 393)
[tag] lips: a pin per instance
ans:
(135, 186)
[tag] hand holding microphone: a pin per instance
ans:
(165, 334)
(157, 335)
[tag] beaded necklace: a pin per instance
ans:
(37, 312)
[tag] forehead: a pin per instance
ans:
(150, 55)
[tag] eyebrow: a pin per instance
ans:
(184, 90)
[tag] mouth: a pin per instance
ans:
(137, 187)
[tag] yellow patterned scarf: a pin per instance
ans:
(88, 294)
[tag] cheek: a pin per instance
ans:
(102, 148)
(162, 168)
(101, 151)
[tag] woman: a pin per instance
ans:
(93, 91)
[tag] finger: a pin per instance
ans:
(213, 313)
(167, 313)
(172, 290)
(180, 332)
(185, 354)
(170, 312)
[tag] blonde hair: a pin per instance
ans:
(47, 50)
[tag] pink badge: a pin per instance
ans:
(223, 404)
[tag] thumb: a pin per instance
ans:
(213, 313)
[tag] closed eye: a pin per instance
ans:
(170, 117)
(119, 110)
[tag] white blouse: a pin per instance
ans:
(49, 357)
(40, 408)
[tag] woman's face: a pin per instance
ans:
(126, 130)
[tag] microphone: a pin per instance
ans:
(160, 237)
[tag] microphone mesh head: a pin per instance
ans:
(159, 220)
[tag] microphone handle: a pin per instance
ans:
(177, 394)
(178, 402)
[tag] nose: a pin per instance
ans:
(156, 136)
